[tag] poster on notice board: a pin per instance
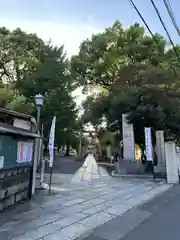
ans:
(25, 152)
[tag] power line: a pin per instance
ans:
(140, 15)
(171, 15)
(154, 38)
(164, 26)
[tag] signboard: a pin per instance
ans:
(160, 151)
(148, 143)
(23, 124)
(128, 139)
(25, 152)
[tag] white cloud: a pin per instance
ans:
(69, 35)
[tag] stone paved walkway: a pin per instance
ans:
(77, 209)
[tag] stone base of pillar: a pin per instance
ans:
(134, 167)
(171, 163)
(160, 172)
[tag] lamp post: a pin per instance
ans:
(39, 100)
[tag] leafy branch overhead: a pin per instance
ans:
(141, 78)
(126, 67)
(29, 66)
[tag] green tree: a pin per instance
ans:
(19, 52)
(6, 95)
(150, 99)
(101, 58)
(141, 78)
(29, 66)
(20, 104)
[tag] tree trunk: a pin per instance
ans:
(80, 146)
(67, 149)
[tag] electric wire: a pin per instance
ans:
(145, 23)
(171, 15)
(164, 26)
(154, 38)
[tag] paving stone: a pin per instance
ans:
(6, 235)
(123, 193)
(86, 205)
(45, 219)
(161, 200)
(132, 202)
(24, 227)
(117, 209)
(64, 222)
(55, 236)
(73, 231)
(93, 202)
(97, 219)
(96, 209)
(71, 210)
(57, 202)
(74, 202)
(51, 210)
(94, 237)
(20, 238)
(119, 201)
(119, 227)
(9, 225)
(38, 232)
(30, 215)
(90, 204)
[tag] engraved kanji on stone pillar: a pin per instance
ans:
(128, 139)
(160, 151)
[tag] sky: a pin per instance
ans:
(69, 22)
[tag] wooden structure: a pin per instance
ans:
(17, 134)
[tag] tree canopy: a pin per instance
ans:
(133, 72)
(141, 75)
(29, 66)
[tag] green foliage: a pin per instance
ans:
(101, 58)
(142, 79)
(20, 104)
(135, 76)
(6, 95)
(29, 66)
(106, 138)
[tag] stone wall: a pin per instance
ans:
(14, 184)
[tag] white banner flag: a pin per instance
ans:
(148, 143)
(51, 142)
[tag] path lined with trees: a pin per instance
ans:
(132, 72)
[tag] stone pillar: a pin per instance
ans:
(129, 165)
(128, 139)
(171, 163)
(178, 158)
(160, 151)
(108, 151)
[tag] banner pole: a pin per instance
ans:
(51, 150)
(50, 179)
